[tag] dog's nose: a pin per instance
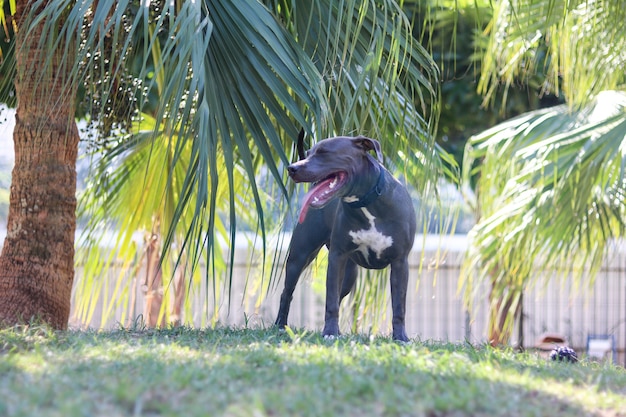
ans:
(291, 169)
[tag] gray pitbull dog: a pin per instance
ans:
(361, 213)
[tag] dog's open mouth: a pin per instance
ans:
(322, 192)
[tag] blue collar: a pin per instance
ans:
(372, 194)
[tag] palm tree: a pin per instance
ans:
(550, 183)
(36, 264)
(236, 81)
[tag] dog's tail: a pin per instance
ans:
(300, 144)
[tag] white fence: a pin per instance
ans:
(435, 309)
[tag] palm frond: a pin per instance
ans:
(229, 80)
(549, 194)
(380, 81)
(557, 45)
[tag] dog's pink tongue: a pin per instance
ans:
(313, 196)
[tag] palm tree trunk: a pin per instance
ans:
(37, 259)
(180, 292)
(153, 285)
(505, 308)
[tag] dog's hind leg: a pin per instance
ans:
(399, 285)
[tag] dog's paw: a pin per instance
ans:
(331, 335)
(331, 329)
(400, 336)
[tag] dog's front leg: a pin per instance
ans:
(306, 242)
(293, 269)
(334, 280)
(399, 283)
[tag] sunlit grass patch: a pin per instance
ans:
(182, 371)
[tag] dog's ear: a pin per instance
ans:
(368, 144)
(300, 144)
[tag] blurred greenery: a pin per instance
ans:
(4, 203)
(495, 61)
(455, 33)
(7, 89)
(550, 183)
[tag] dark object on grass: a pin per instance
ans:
(563, 354)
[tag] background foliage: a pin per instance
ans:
(175, 150)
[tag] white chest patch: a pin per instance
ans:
(370, 239)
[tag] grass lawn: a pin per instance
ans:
(228, 372)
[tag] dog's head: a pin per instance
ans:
(332, 165)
